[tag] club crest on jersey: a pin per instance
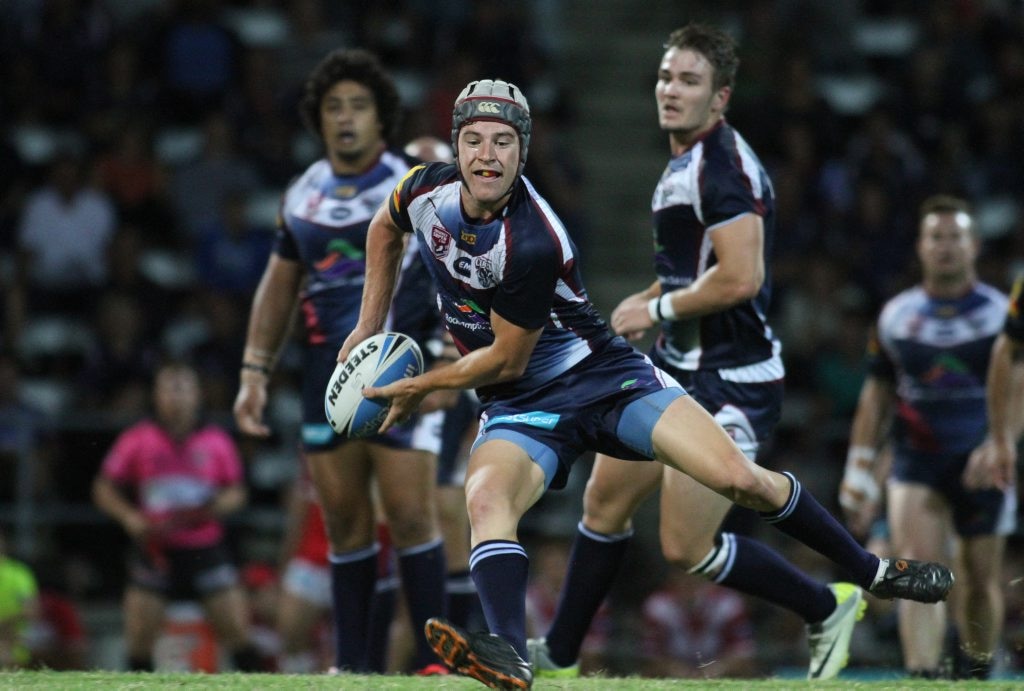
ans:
(483, 272)
(440, 242)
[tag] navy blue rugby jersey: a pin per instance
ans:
(521, 265)
(937, 351)
(322, 224)
(714, 182)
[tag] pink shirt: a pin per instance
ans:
(170, 477)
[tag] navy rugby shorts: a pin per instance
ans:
(748, 411)
(608, 403)
(975, 512)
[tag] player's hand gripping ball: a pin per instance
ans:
(378, 361)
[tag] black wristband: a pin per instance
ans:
(262, 369)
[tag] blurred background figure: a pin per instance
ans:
(169, 482)
(19, 609)
(693, 629)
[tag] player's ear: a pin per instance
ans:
(721, 98)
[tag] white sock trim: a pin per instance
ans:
(883, 564)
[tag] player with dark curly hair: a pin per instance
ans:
(351, 104)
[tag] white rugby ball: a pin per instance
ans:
(378, 361)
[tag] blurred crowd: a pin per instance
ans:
(145, 144)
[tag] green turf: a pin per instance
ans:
(115, 681)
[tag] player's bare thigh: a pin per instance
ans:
(615, 490)
(341, 477)
(687, 438)
(919, 521)
(406, 482)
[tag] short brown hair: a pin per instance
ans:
(714, 44)
(944, 204)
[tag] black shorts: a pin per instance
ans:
(975, 512)
(748, 411)
(183, 574)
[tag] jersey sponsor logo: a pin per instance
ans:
(345, 191)
(536, 418)
(465, 325)
(440, 241)
(483, 272)
(468, 306)
(467, 237)
(489, 107)
(628, 383)
(461, 266)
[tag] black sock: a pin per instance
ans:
(353, 575)
(803, 518)
(594, 562)
(382, 611)
(757, 570)
(500, 569)
(422, 569)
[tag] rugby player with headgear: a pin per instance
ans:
(553, 381)
(318, 261)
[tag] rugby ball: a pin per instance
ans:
(377, 361)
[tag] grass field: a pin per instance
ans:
(116, 681)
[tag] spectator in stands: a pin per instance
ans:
(199, 59)
(136, 182)
(124, 92)
(198, 188)
(217, 353)
(63, 41)
(694, 629)
(116, 373)
(231, 252)
(263, 590)
(127, 274)
(20, 425)
(63, 235)
(170, 481)
(58, 640)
